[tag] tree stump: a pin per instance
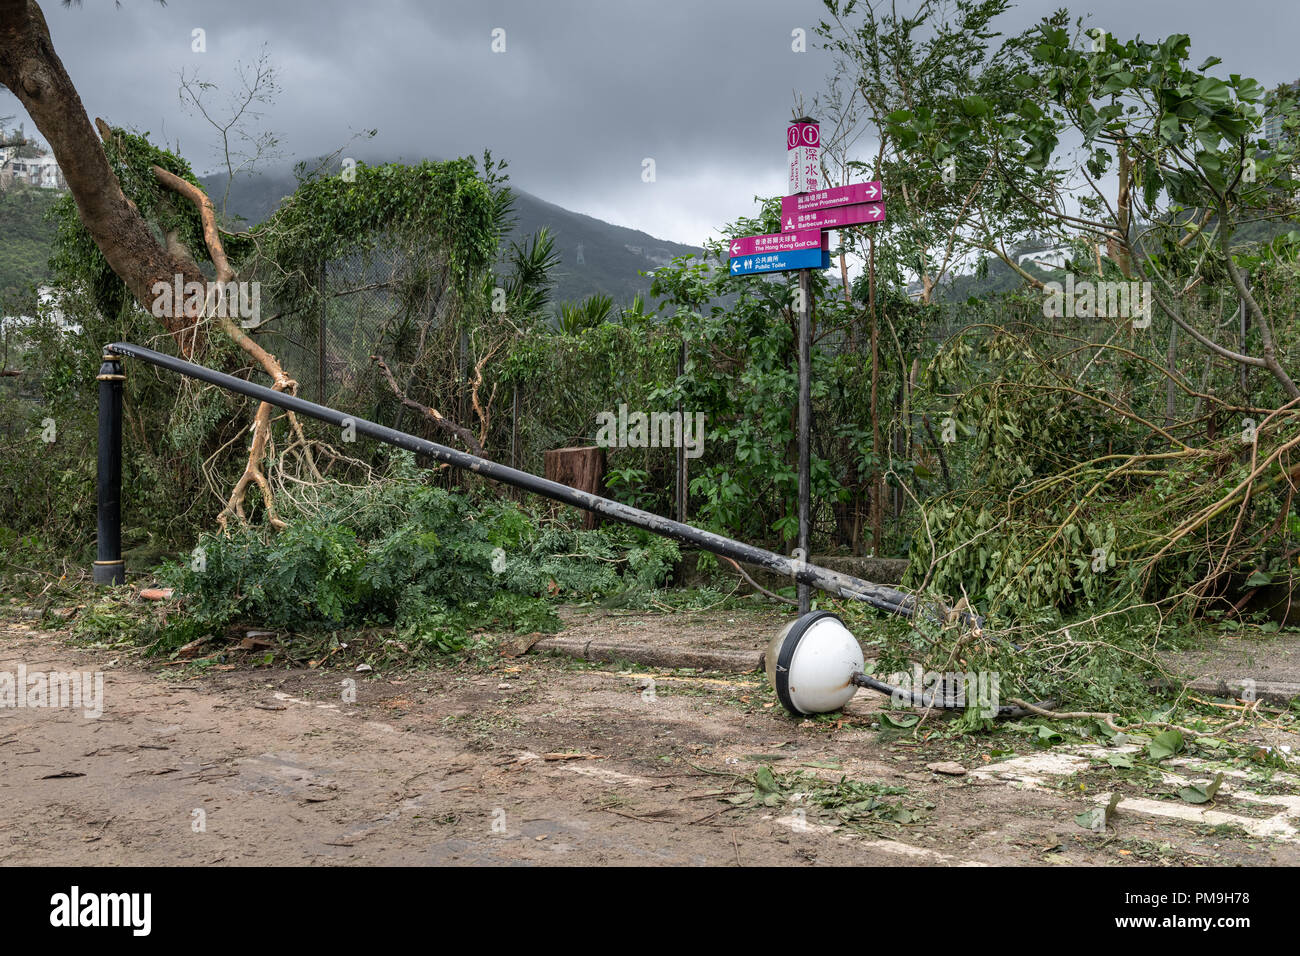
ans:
(581, 468)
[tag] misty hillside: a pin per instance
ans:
(26, 237)
(611, 256)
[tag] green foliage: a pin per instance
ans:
(420, 558)
(741, 371)
(28, 234)
(859, 805)
(445, 205)
(601, 366)
(592, 311)
(77, 262)
(176, 474)
(926, 80)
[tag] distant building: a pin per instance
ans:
(1056, 257)
(1272, 130)
(41, 171)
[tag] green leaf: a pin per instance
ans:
(1170, 128)
(1165, 744)
(1121, 80)
(1202, 794)
(900, 721)
(1098, 818)
(1213, 90)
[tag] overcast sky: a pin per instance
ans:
(584, 92)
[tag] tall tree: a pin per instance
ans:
(31, 69)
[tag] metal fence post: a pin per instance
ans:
(109, 566)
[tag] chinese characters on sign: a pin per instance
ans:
(836, 196)
(835, 217)
(778, 242)
(803, 156)
(817, 258)
(807, 213)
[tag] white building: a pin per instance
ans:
(42, 171)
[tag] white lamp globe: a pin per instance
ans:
(811, 663)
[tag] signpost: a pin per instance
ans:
(836, 196)
(803, 155)
(778, 242)
(802, 244)
(805, 430)
(781, 262)
(834, 217)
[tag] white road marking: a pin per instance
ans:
(1032, 772)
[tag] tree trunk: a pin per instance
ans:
(32, 71)
(581, 468)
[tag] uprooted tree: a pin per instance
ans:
(31, 69)
(138, 225)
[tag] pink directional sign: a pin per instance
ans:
(776, 242)
(835, 217)
(838, 196)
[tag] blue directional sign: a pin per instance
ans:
(780, 261)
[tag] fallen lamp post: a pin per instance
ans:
(815, 665)
(810, 662)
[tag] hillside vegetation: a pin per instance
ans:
(26, 237)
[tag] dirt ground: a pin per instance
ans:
(544, 760)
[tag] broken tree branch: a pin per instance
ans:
(432, 414)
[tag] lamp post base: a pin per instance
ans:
(110, 572)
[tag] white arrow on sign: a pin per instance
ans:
(735, 265)
(876, 212)
(872, 191)
(735, 248)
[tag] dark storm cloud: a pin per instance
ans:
(585, 91)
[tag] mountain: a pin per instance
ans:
(596, 256)
(612, 257)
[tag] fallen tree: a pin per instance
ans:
(138, 224)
